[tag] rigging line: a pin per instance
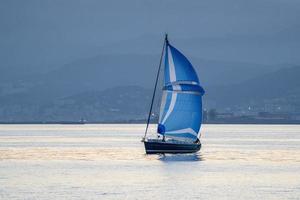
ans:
(157, 76)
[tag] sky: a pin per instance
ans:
(49, 33)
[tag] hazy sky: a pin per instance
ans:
(54, 32)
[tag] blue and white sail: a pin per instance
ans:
(181, 107)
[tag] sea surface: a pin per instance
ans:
(109, 162)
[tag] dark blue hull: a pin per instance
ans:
(154, 147)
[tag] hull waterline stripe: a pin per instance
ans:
(191, 150)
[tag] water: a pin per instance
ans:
(108, 162)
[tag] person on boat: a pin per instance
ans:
(161, 130)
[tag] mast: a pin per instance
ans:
(155, 86)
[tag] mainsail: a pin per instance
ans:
(181, 106)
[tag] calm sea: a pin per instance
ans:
(108, 162)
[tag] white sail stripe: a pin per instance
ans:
(172, 79)
(186, 92)
(162, 106)
(183, 82)
(172, 75)
(185, 130)
(172, 70)
(171, 66)
(171, 107)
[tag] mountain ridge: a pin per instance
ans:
(123, 103)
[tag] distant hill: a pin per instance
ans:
(90, 89)
(281, 86)
(114, 104)
(106, 71)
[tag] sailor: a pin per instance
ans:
(161, 129)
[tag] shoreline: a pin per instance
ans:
(124, 122)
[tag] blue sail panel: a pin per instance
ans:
(183, 118)
(178, 67)
(181, 105)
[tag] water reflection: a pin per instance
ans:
(108, 161)
(180, 157)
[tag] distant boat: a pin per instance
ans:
(81, 121)
(180, 114)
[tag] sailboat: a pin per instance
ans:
(180, 115)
